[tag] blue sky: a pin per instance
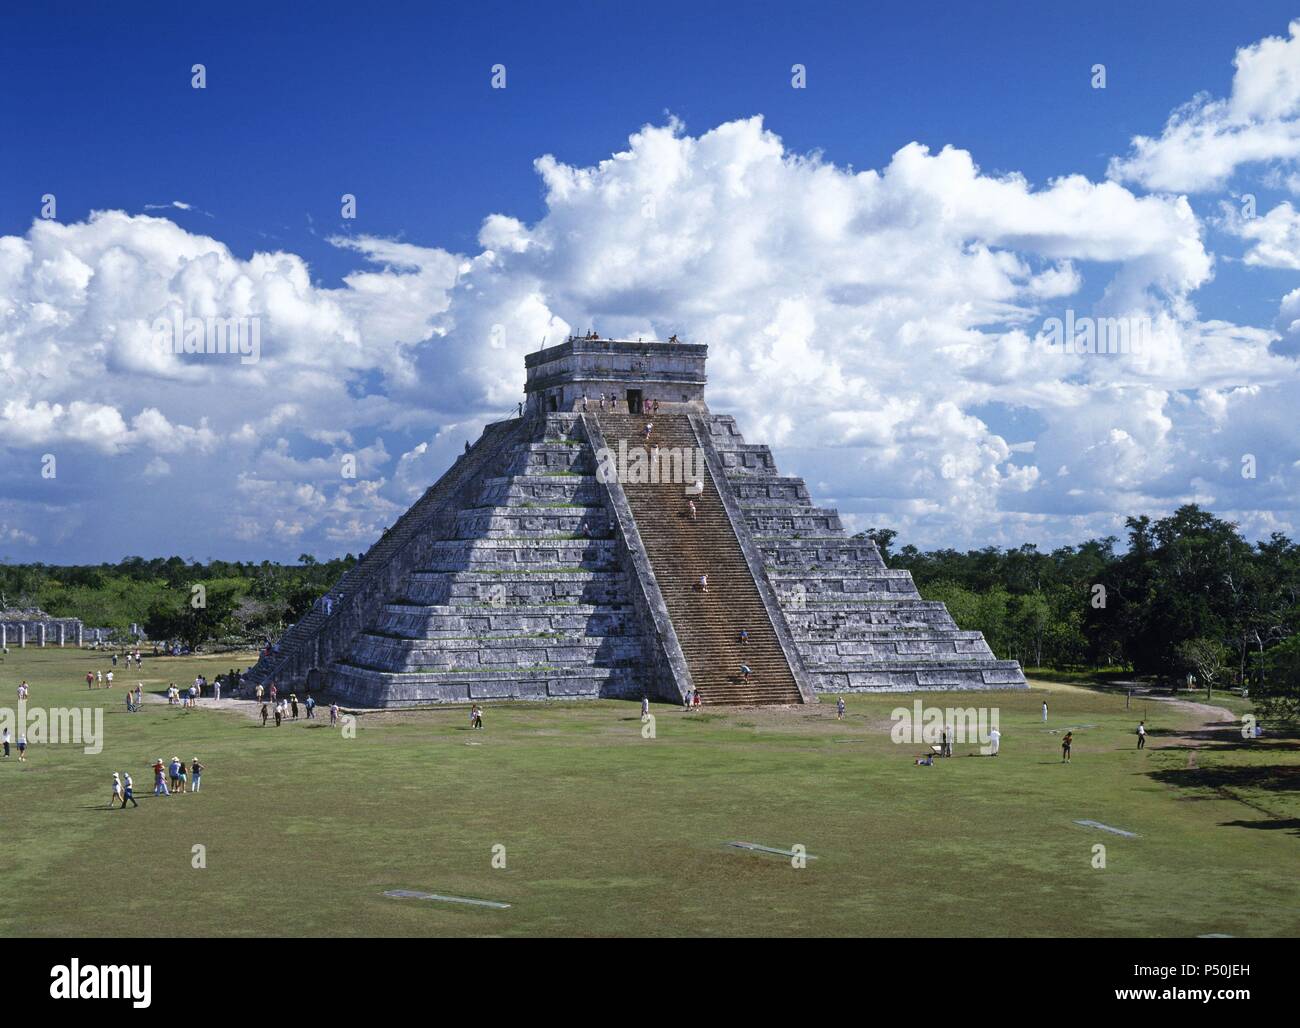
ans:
(392, 103)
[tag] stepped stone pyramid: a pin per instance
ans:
(559, 557)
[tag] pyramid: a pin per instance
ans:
(567, 554)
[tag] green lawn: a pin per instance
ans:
(607, 833)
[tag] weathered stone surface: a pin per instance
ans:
(521, 575)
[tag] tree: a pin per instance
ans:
(1203, 658)
(1278, 694)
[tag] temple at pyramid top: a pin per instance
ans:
(633, 372)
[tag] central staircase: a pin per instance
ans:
(708, 625)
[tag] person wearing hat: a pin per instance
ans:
(159, 779)
(128, 791)
(117, 790)
(196, 769)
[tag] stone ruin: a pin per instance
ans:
(29, 626)
(544, 565)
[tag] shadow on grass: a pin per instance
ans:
(1280, 824)
(1272, 779)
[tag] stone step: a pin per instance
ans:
(369, 687)
(679, 549)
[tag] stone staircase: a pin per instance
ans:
(858, 625)
(707, 625)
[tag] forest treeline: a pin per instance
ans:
(1187, 594)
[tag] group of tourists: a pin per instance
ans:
(285, 708)
(170, 779)
(128, 656)
(22, 744)
(100, 679)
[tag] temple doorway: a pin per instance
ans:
(634, 401)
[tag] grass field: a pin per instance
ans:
(608, 833)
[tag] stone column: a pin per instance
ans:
(80, 628)
(4, 635)
(22, 636)
(40, 635)
(63, 632)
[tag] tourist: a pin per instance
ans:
(839, 709)
(264, 715)
(649, 427)
(654, 407)
(90, 679)
(22, 746)
(258, 692)
(476, 717)
(695, 514)
(926, 761)
(274, 690)
(114, 658)
(99, 678)
(23, 689)
(1044, 712)
(130, 707)
(697, 701)
(703, 584)
(995, 742)
(744, 636)
(944, 742)
(686, 700)
(117, 790)
(128, 790)
(279, 715)
(159, 781)
(645, 707)
(293, 703)
(1065, 747)
(1142, 735)
(216, 690)
(196, 769)
(311, 707)
(5, 740)
(334, 714)
(139, 694)
(181, 775)
(584, 403)
(109, 679)
(174, 772)
(745, 671)
(952, 738)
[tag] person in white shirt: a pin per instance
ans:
(995, 741)
(1142, 735)
(1044, 712)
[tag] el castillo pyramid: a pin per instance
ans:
(558, 558)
